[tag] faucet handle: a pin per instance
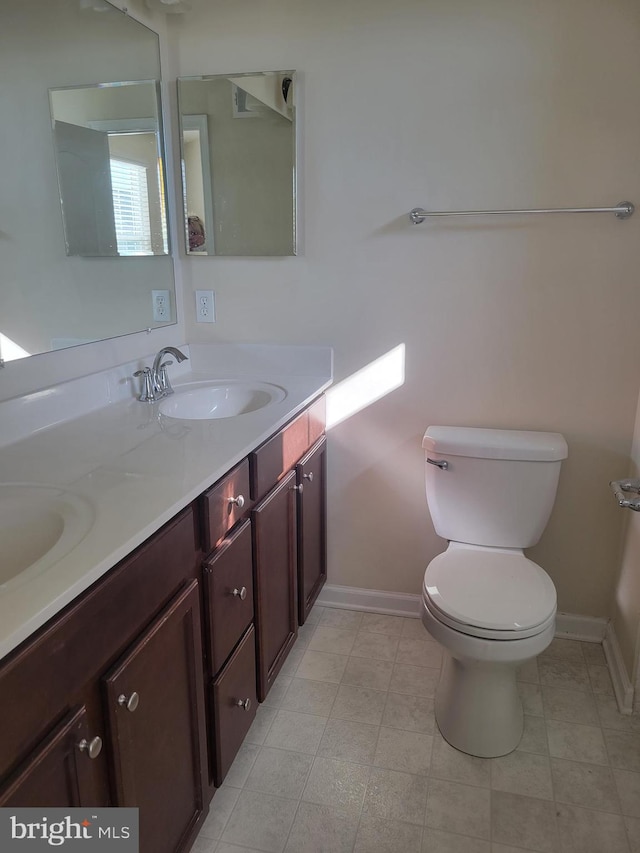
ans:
(147, 394)
(164, 385)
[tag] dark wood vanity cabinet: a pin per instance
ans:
(71, 732)
(141, 691)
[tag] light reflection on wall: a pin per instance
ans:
(365, 386)
(10, 350)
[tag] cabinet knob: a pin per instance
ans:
(129, 702)
(309, 476)
(239, 501)
(92, 747)
(244, 703)
(297, 488)
(241, 593)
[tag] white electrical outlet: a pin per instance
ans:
(161, 306)
(205, 306)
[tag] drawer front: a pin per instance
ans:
(234, 705)
(224, 505)
(229, 592)
(281, 452)
(317, 419)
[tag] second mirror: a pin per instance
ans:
(238, 149)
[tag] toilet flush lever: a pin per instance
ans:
(439, 463)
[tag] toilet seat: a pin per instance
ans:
(489, 593)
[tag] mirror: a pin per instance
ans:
(108, 152)
(238, 148)
(64, 280)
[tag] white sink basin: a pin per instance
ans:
(39, 525)
(206, 400)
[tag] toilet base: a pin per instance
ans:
(477, 707)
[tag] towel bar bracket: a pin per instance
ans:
(621, 488)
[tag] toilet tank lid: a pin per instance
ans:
(477, 443)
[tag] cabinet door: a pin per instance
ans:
(60, 772)
(312, 552)
(156, 717)
(274, 529)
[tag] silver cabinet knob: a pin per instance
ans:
(298, 488)
(240, 593)
(92, 747)
(309, 476)
(129, 702)
(239, 501)
(244, 703)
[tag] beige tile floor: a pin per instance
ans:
(345, 756)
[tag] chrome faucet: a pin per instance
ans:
(156, 384)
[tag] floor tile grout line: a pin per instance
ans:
(545, 715)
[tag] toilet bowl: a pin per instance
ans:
(492, 611)
(490, 607)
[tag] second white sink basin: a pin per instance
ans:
(224, 399)
(39, 524)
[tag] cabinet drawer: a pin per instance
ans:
(281, 452)
(229, 592)
(234, 704)
(317, 419)
(225, 504)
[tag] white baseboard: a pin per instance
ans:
(622, 686)
(372, 600)
(590, 629)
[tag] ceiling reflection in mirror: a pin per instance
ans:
(238, 143)
(83, 226)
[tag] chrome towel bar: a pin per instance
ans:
(624, 487)
(623, 210)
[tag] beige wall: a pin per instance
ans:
(517, 322)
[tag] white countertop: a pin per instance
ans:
(134, 469)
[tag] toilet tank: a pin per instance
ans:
(497, 487)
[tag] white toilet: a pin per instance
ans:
(490, 493)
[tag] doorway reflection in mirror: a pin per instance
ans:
(239, 176)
